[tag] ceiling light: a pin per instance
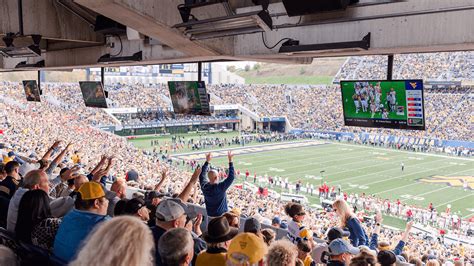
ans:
(18, 52)
(244, 23)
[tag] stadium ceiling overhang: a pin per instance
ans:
(78, 33)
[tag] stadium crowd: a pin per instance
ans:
(65, 189)
(307, 107)
(72, 213)
(427, 66)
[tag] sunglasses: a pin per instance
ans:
(301, 214)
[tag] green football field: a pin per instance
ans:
(426, 178)
(350, 109)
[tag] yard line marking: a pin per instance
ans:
(351, 170)
(388, 190)
(398, 177)
(323, 162)
(407, 152)
(356, 177)
(428, 192)
(444, 203)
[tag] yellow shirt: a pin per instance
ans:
(7, 159)
(211, 259)
(76, 159)
(308, 261)
(297, 231)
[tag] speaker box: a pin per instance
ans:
(305, 7)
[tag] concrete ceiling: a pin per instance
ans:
(69, 40)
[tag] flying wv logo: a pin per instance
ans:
(413, 84)
(452, 181)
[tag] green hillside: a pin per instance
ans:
(320, 71)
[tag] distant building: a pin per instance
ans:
(212, 74)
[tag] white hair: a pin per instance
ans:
(123, 240)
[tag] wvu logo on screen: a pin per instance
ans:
(452, 181)
(414, 84)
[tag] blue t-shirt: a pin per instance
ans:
(75, 227)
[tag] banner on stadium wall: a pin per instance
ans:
(273, 119)
(226, 107)
(130, 110)
(171, 70)
(442, 83)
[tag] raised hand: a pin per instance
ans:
(208, 157)
(197, 224)
(378, 217)
(99, 174)
(56, 144)
(164, 173)
(230, 156)
(196, 174)
(408, 226)
(70, 174)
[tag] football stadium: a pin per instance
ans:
(328, 132)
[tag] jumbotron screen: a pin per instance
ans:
(32, 92)
(93, 94)
(383, 103)
(189, 97)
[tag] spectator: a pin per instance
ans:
(3, 174)
(386, 258)
(233, 219)
(341, 252)
(364, 259)
(35, 224)
(119, 241)
(321, 249)
(116, 193)
(282, 253)
(432, 263)
(169, 214)
(246, 249)
(383, 245)
(136, 207)
(296, 230)
(416, 262)
(348, 220)
(120, 207)
(304, 251)
(11, 182)
(252, 225)
(91, 209)
(276, 221)
(214, 191)
(36, 179)
(62, 189)
(78, 181)
(153, 198)
(268, 236)
(175, 248)
(218, 237)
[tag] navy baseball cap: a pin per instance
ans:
(276, 220)
(336, 232)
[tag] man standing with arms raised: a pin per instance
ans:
(213, 190)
